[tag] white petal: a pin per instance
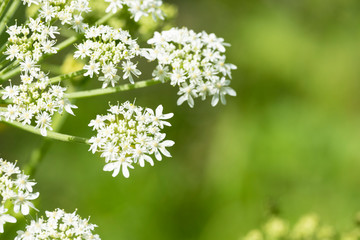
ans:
(158, 156)
(25, 209)
(214, 100)
(159, 110)
(168, 143)
(125, 171)
(8, 218)
(167, 116)
(165, 152)
(230, 91)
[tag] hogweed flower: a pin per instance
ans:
(29, 42)
(138, 8)
(195, 62)
(69, 12)
(130, 134)
(107, 48)
(16, 191)
(35, 101)
(307, 227)
(59, 225)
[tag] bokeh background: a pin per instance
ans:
(288, 144)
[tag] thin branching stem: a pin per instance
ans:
(9, 13)
(50, 134)
(104, 91)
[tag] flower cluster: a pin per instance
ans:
(59, 225)
(137, 8)
(30, 41)
(67, 11)
(193, 61)
(307, 227)
(16, 190)
(35, 100)
(107, 48)
(130, 134)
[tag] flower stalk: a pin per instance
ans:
(109, 90)
(50, 134)
(9, 13)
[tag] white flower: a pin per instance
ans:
(129, 68)
(107, 48)
(22, 202)
(59, 225)
(158, 117)
(16, 192)
(10, 92)
(93, 67)
(127, 135)
(188, 92)
(137, 8)
(157, 146)
(43, 121)
(220, 90)
(195, 62)
(5, 218)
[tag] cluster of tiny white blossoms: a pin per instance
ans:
(59, 225)
(16, 190)
(193, 61)
(67, 11)
(30, 41)
(107, 48)
(35, 101)
(130, 134)
(137, 8)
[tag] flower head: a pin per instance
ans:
(35, 101)
(16, 192)
(129, 134)
(137, 8)
(59, 225)
(108, 49)
(195, 62)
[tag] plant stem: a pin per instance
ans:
(65, 76)
(9, 66)
(3, 6)
(38, 154)
(50, 134)
(104, 91)
(104, 18)
(9, 13)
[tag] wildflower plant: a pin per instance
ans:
(309, 226)
(16, 192)
(35, 93)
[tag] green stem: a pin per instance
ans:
(104, 91)
(104, 18)
(68, 42)
(3, 47)
(50, 134)
(12, 65)
(3, 63)
(9, 13)
(3, 6)
(11, 73)
(66, 76)
(38, 154)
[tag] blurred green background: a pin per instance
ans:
(288, 144)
